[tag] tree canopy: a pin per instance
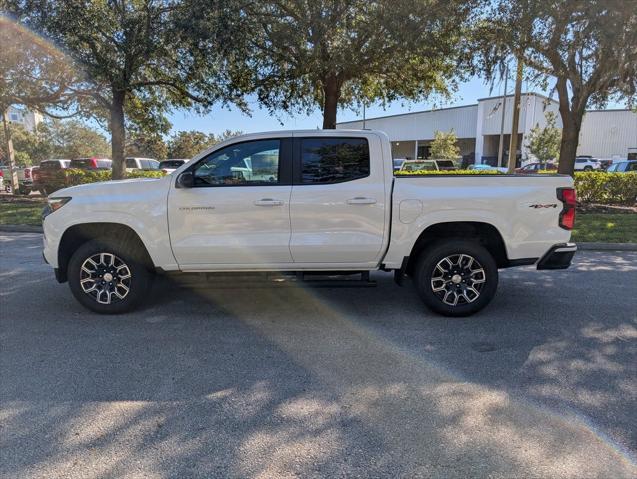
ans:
(544, 143)
(299, 54)
(56, 139)
(444, 145)
(585, 49)
(136, 56)
(187, 144)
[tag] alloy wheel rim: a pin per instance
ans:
(106, 278)
(458, 279)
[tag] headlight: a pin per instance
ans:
(54, 204)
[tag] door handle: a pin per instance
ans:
(268, 202)
(361, 200)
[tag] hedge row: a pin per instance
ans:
(71, 177)
(447, 172)
(592, 187)
(606, 188)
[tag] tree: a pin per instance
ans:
(71, 139)
(146, 145)
(586, 47)
(544, 143)
(307, 53)
(187, 144)
(137, 57)
(444, 146)
(56, 139)
(32, 74)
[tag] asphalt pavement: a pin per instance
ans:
(244, 380)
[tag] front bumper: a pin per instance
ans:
(558, 257)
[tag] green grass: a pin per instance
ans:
(21, 212)
(605, 228)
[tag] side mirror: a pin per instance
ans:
(185, 180)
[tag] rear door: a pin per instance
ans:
(238, 212)
(337, 207)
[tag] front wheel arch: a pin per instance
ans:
(75, 236)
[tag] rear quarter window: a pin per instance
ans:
(334, 160)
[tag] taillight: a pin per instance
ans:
(93, 163)
(568, 197)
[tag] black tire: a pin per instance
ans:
(462, 281)
(588, 168)
(138, 284)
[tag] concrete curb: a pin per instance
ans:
(607, 246)
(580, 246)
(20, 229)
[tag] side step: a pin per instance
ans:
(314, 279)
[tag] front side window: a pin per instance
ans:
(248, 163)
(334, 160)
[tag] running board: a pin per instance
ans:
(314, 279)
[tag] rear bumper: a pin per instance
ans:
(558, 257)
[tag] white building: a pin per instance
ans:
(28, 119)
(604, 133)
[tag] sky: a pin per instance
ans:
(221, 119)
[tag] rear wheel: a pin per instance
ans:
(588, 168)
(106, 278)
(456, 277)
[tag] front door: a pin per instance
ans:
(238, 212)
(337, 208)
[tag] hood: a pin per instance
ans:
(114, 187)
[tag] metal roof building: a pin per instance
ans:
(604, 134)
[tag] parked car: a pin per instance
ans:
(623, 167)
(482, 167)
(587, 163)
(397, 163)
(446, 165)
(535, 167)
(145, 164)
(325, 200)
(25, 178)
(168, 166)
(91, 163)
(418, 165)
(48, 177)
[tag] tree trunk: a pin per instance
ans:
(570, 140)
(331, 94)
(13, 172)
(513, 145)
(571, 114)
(118, 134)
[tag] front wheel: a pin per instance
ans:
(106, 278)
(456, 277)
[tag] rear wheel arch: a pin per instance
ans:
(483, 233)
(77, 235)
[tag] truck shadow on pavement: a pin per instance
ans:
(268, 382)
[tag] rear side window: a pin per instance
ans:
(131, 163)
(50, 165)
(631, 167)
(334, 160)
(83, 163)
(150, 164)
(171, 164)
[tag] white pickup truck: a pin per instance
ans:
(312, 201)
